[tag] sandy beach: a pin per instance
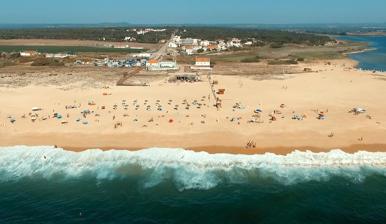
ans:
(305, 111)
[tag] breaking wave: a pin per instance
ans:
(186, 169)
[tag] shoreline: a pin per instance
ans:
(228, 142)
(359, 52)
(280, 150)
(368, 49)
(357, 62)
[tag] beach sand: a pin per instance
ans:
(182, 114)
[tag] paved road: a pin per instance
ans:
(163, 50)
(157, 55)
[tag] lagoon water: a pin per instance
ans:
(373, 59)
(49, 185)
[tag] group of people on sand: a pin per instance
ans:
(187, 112)
(85, 113)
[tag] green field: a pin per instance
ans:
(67, 49)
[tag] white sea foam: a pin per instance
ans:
(186, 169)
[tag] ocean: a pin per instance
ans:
(370, 60)
(51, 185)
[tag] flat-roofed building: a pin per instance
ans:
(155, 65)
(29, 53)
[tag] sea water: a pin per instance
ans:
(374, 59)
(51, 185)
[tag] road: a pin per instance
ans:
(163, 50)
(157, 55)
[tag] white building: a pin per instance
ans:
(186, 42)
(189, 41)
(248, 43)
(176, 39)
(195, 42)
(172, 45)
(155, 65)
(205, 43)
(188, 49)
(148, 30)
(196, 48)
(234, 43)
(222, 46)
(131, 39)
(29, 53)
(58, 55)
(142, 55)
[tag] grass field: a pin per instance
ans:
(72, 49)
(288, 52)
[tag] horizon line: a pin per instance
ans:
(192, 23)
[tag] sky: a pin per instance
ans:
(192, 11)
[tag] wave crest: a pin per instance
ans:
(186, 169)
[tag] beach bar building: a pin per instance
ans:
(185, 77)
(201, 63)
